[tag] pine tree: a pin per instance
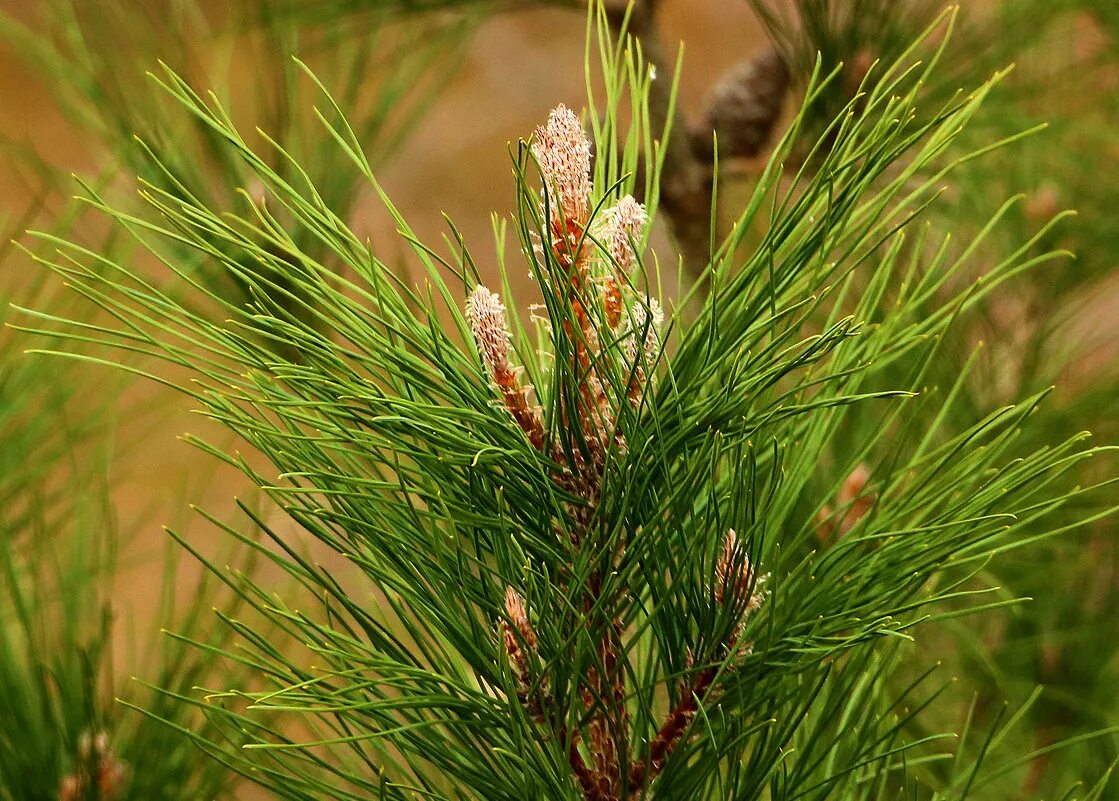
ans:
(645, 546)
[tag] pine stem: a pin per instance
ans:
(671, 731)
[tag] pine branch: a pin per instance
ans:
(559, 597)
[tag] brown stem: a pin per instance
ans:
(515, 398)
(675, 724)
(589, 781)
(536, 703)
(603, 688)
(609, 724)
(619, 715)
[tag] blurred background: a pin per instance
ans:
(440, 94)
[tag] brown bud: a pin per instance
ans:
(563, 151)
(736, 583)
(621, 228)
(744, 108)
(854, 484)
(486, 315)
(612, 301)
(851, 495)
(98, 775)
(641, 346)
(518, 615)
(1042, 204)
(734, 574)
(71, 789)
(522, 651)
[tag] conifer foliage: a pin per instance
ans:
(586, 552)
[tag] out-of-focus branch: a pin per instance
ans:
(742, 112)
(685, 189)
